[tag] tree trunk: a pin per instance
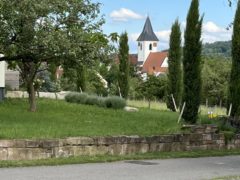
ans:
(149, 104)
(32, 97)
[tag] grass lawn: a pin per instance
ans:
(163, 107)
(58, 119)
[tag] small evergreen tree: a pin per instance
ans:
(123, 78)
(234, 87)
(175, 72)
(192, 64)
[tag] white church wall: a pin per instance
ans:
(144, 51)
(165, 63)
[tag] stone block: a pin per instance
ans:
(78, 141)
(210, 128)
(198, 130)
(28, 154)
(195, 137)
(177, 146)
(6, 143)
(166, 138)
(3, 154)
(207, 137)
(50, 143)
(165, 147)
(65, 151)
(33, 143)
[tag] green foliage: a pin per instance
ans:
(92, 100)
(48, 32)
(174, 70)
(219, 49)
(153, 88)
(192, 64)
(215, 79)
(123, 77)
(234, 87)
(80, 98)
(113, 102)
(48, 83)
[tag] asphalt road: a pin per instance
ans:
(172, 169)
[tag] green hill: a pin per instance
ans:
(220, 48)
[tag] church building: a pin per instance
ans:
(150, 60)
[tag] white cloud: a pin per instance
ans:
(211, 32)
(163, 35)
(124, 14)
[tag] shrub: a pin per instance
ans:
(106, 102)
(74, 97)
(115, 102)
(101, 102)
(92, 100)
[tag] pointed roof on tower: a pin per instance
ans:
(147, 33)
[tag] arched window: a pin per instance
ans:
(140, 46)
(150, 47)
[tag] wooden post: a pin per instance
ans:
(206, 102)
(230, 110)
(180, 117)
(174, 102)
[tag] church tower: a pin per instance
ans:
(147, 42)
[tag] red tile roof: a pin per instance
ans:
(133, 59)
(154, 62)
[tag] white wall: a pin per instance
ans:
(144, 53)
(165, 63)
(2, 74)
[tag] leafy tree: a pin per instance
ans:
(215, 79)
(123, 78)
(34, 33)
(192, 64)
(174, 69)
(153, 88)
(234, 87)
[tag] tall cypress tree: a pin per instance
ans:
(192, 64)
(175, 72)
(234, 86)
(123, 78)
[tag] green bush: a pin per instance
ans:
(115, 102)
(71, 97)
(101, 102)
(92, 100)
(81, 98)
(106, 102)
(75, 97)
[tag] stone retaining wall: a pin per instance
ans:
(201, 138)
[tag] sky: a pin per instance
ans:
(130, 16)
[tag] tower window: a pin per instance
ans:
(140, 46)
(150, 47)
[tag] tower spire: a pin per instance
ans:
(147, 33)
